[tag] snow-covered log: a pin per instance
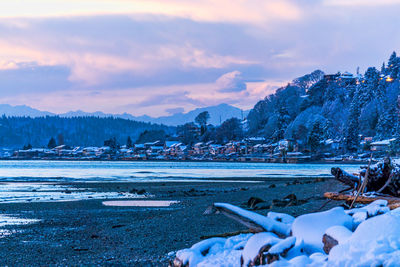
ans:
(254, 221)
(383, 177)
(344, 177)
(364, 236)
(253, 252)
(192, 256)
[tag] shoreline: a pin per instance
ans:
(87, 232)
(207, 161)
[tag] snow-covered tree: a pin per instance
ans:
(316, 136)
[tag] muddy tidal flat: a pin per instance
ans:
(137, 223)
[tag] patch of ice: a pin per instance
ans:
(140, 203)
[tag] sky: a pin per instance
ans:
(158, 57)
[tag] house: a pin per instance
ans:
(331, 145)
(382, 145)
(331, 77)
(169, 144)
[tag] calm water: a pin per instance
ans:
(155, 171)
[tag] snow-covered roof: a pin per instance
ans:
(383, 142)
(170, 143)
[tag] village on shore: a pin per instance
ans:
(253, 149)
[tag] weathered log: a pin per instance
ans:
(264, 248)
(229, 234)
(393, 202)
(253, 253)
(383, 177)
(281, 249)
(344, 177)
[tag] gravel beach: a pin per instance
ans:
(87, 232)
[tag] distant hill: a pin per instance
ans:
(218, 114)
(21, 111)
(16, 132)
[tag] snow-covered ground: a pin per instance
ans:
(366, 236)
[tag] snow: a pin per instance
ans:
(283, 245)
(255, 243)
(339, 233)
(375, 208)
(281, 217)
(374, 242)
(383, 142)
(311, 227)
(267, 223)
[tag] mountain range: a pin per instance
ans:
(218, 114)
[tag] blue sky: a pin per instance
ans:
(158, 57)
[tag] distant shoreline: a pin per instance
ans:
(219, 161)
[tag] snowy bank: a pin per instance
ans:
(366, 236)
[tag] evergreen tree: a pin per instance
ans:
(27, 147)
(129, 143)
(383, 68)
(316, 136)
(282, 123)
(60, 139)
(328, 131)
(201, 120)
(393, 65)
(352, 131)
(388, 122)
(52, 143)
(229, 130)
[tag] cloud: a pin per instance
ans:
(154, 56)
(361, 3)
(236, 11)
(231, 82)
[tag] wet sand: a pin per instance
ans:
(90, 233)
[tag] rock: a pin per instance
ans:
(272, 186)
(329, 243)
(290, 197)
(253, 201)
(141, 191)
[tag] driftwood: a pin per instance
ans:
(268, 251)
(393, 202)
(229, 234)
(363, 185)
(384, 178)
(253, 226)
(254, 221)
